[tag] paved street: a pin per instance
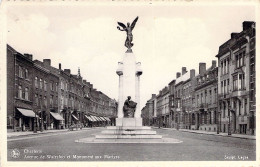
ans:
(195, 147)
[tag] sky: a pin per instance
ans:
(166, 38)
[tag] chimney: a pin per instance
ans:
(47, 62)
(84, 81)
(59, 66)
(91, 85)
(202, 68)
(192, 73)
(214, 63)
(233, 34)
(153, 95)
(183, 70)
(247, 25)
(28, 56)
(178, 74)
(67, 71)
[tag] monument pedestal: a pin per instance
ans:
(129, 122)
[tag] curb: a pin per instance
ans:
(206, 133)
(40, 133)
(219, 135)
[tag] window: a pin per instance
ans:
(241, 81)
(51, 100)
(210, 96)
(239, 108)
(26, 74)
(40, 101)
(36, 100)
(224, 111)
(45, 85)
(222, 68)
(245, 107)
(26, 94)
(45, 101)
(240, 59)
(225, 64)
(62, 85)
(227, 86)
(41, 85)
(20, 91)
(20, 72)
(235, 83)
(222, 90)
(36, 82)
(51, 85)
(61, 100)
(56, 86)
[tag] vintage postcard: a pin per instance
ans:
(128, 83)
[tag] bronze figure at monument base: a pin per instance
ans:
(129, 108)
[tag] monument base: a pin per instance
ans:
(128, 121)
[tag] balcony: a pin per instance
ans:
(223, 96)
(203, 106)
(238, 93)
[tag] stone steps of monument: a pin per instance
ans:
(129, 127)
(129, 141)
(128, 136)
(125, 132)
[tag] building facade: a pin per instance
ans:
(236, 83)
(220, 98)
(206, 114)
(41, 97)
(20, 115)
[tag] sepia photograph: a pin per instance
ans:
(96, 81)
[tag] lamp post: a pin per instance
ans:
(219, 120)
(41, 125)
(35, 124)
(229, 128)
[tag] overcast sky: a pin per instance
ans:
(165, 39)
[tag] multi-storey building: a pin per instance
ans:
(206, 115)
(171, 86)
(236, 81)
(40, 96)
(45, 92)
(162, 107)
(148, 112)
(20, 115)
(179, 111)
(187, 99)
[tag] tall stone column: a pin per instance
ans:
(121, 88)
(137, 89)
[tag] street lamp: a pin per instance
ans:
(229, 128)
(35, 124)
(219, 121)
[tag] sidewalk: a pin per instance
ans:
(252, 137)
(27, 133)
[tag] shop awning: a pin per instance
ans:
(97, 118)
(26, 112)
(93, 118)
(74, 117)
(103, 119)
(107, 118)
(57, 116)
(90, 118)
